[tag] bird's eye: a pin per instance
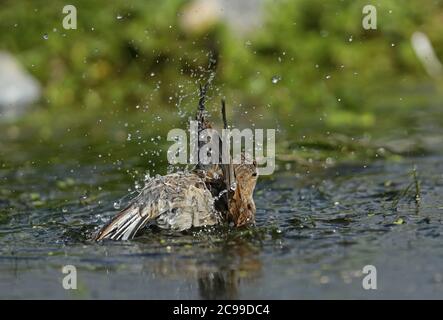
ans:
(254, 174)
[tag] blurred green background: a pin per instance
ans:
(131, 69)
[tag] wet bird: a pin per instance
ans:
(207, 195)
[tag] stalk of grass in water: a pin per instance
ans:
(417, 186)
(417, 194)
(401, 196)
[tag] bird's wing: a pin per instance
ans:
(136, 215)
(176, 201)
(195, 208)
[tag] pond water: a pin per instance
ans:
(317, 226)
(316, 230)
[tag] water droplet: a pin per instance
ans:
(45, 36)
(119, 17)
(275, 79)
(116, 205)
(328, 77)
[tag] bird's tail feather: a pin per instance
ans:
(124, 226)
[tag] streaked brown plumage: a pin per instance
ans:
(241, 202)
(179, 201)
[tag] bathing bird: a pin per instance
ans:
(209, 194)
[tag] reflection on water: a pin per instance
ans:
(217, 279)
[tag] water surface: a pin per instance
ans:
(316, 230)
